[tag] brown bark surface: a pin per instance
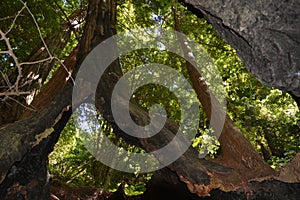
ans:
(33, 138)
(264, 33)
(266, 37)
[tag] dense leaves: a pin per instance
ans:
(265, 115)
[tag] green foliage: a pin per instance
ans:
(278, 162)
(72, 163)
(206, 143)
(24, 34)
(266, 116)
(27, 23)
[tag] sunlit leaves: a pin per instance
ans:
(266, 116)
(206, 143)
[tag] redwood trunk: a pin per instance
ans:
(33, 138)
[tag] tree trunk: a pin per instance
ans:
(264, 33)
(32, 139)
(236, 150)
(165, 185)
(27, 143)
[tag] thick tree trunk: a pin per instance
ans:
(27, 143)
(34, 137)
(236, 150)
(28, 178)
(264, 33)
(266, 37)
(165, 185)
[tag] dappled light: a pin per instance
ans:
(149, 100)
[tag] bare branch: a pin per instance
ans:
(6, 79)
(8, 17)
(38, 61)
(15, 18)
(11, 53)
(14, 93)
(13, 89)
(18, 102)
(69, 73)
(38, 28)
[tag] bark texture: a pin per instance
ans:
(237, 152)
(23, 165)
(265, 34)
(28, 142)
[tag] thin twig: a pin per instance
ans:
(18, 102)
(11, 52)
(14, 93)
(13, 89)
(14, 21)
(38, 61)
(6, 79)
(8, 17)
(38, 28)
(66, 69)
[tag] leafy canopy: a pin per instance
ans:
(265, 115)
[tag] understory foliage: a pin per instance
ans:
(265, 115)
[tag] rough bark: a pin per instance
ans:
(291, 172)
(26, 138)
(264, 33)
(23, 167)
(237, 152)
(35, 135)
(266, 37)
(165, 186)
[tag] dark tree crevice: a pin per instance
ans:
(265, 35)
(33, 137)
(29, 178)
